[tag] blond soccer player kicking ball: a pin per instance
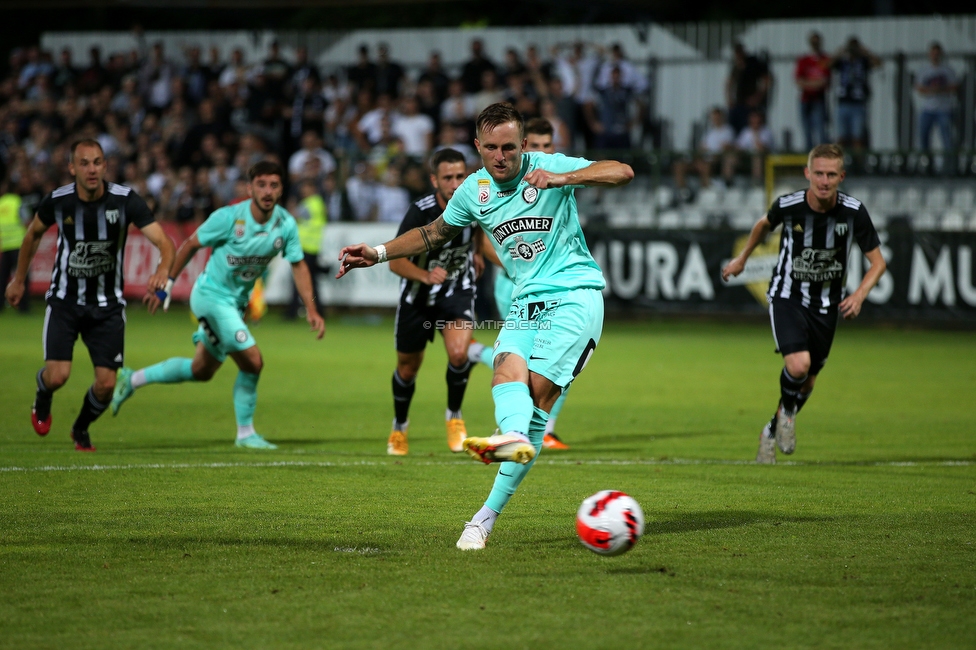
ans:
(525, 202)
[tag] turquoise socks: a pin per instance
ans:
(513, 407)
(171, 371)
(245, 397)
(511, 474)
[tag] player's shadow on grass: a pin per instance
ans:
(712, 520)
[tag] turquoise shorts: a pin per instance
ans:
(503, 293)
(222, 329)
(555, 333)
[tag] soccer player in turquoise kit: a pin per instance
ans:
(525, 203)
(538, 137)
(245, 237)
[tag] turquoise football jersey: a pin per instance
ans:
(242, 248)
(536, 233)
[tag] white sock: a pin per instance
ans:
(400, 426)
(452, 415)
(474, 351)
(486, 517)
(550, 425)
(138, 378)
(243, 431)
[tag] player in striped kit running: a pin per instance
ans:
(806, 294)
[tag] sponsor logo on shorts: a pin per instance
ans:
(540, 309)
(278, 243)
(241, 336)
(484, 190)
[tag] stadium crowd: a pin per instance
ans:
(182, 128)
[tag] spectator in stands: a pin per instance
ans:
(715, 152)
(756, 140)
(434, 73)
(414, 129)
(369, 128)
(236, 72)
(155, 78)
(812, 76)
(94, 76)
(362, 192)
(65, 73)
(472, 73)
(561, 135)
(459, 105)
(306, 112)
(455, 135)
(577, 69)
(277, 72)
(937, 84)
(362, 76)
(302, 70)
(389, 74)
(310, 216)
(853, 63)
(195, 76)
(428, 102)
(392, 200)
(747, 86)
(491, 92)
(613, 123)
(222, 176)
(311, 148)
(340, 117)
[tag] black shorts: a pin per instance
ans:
(799, 329)
(102, 330)
(415, 326)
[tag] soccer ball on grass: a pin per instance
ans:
(609, 522)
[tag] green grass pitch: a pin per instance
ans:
(169, 536)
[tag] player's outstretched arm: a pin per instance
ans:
(603, 173)
(850, 306)
(167, 252)
(32, 239)
(413, 242)
(759, 233)
(184, 254)
(303, 282)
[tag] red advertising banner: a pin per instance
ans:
(141, 259)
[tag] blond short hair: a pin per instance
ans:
(831, 151)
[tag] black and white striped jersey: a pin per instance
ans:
(814, 248)
(91, 242)
(455, 256)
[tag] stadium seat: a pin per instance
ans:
(910, 200)
(669, 220)
(756, 201)
(884, 200)
(953, 220)
(663, 197)
(860, 192)
(925, 221)
(742, 220)
(708, 199)
(963, 199)
(936, 199)
(733, 200)
(694, 218)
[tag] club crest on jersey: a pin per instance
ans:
(484, 190)
(112, 216)
(239, 228)
(840, 229)
(530, 194)
(526, 251)
(278, 243)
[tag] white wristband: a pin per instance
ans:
(380, 253)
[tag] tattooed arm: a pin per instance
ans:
(413, 242)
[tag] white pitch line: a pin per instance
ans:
(567, 462)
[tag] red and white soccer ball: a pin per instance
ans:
(609, 522)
